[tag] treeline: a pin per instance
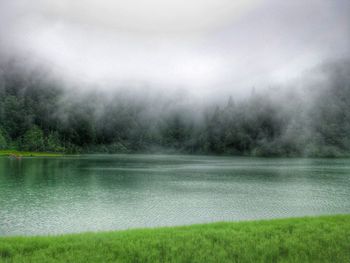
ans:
(38, 114)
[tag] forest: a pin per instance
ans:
(39, 113)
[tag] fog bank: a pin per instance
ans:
(206, 49)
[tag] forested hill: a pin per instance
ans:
(37, 114)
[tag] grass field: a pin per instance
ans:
(319, 239)
(28, 154)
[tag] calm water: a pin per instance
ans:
(91, 193)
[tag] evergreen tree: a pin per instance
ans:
(3, 142)
(33, 139)
(53, 143)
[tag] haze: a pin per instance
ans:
(203, 47)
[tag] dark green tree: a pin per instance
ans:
(3, 142)
(53, 143)
(33, 139)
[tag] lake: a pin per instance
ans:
(40, 196)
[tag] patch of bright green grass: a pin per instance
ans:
(28, 154)
(319, 239)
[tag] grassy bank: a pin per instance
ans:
(28, 154)
(319, 239)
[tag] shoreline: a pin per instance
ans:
(9, 153)
(20, 154)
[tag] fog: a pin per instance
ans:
(207, 49)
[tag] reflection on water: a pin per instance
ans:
(108, 192)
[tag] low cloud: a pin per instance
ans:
(207, 48)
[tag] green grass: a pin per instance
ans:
(28, 154)
(319, 239)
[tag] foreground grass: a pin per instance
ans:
(28, 154)
(320, 239)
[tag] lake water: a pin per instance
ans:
(40, 196)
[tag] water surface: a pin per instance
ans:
(40, 196)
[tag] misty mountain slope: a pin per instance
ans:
(40, 113)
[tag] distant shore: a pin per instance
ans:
(15, 153)
(309, 239)
(20, 154)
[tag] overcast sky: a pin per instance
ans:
(203, 46)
